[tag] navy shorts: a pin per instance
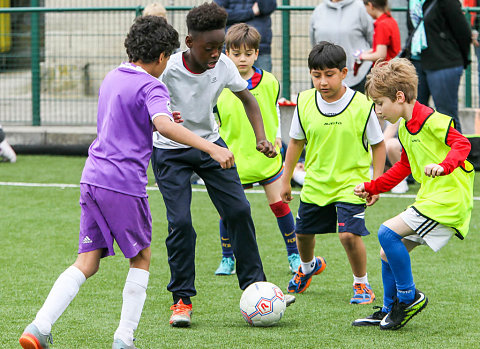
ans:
(314, 219)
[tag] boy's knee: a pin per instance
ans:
(348, 239)
(142, 259)
(180, 223)
(237, 213)
(387, 235)
(305, 238)
(383, 256)
(88, 268)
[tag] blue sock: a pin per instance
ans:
(227, 250)
(286, 224)
(389, 287)
(399, 261)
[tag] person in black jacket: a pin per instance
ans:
(257, 14)
(442, 54)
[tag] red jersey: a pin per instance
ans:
(473, 15)
(460, 148)
(386, 33)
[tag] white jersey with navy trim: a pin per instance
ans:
(195, 95)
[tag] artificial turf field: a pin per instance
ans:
(39, 240)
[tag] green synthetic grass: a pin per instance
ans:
(39, 237)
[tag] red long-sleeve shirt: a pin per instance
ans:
(460, 148)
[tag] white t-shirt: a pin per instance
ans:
(373, 132)
(195, 95)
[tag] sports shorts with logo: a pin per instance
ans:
(107, 215)
(427, 231)
(313, 219)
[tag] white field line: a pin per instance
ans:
(194, 189)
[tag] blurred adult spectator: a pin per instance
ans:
(475, 25)
(7, 154)
(439, 50)
(345, 23)
(257, 14)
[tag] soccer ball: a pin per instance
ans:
(262, 304)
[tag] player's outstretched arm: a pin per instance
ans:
(255, 117)
(294, 150)
(180, 134)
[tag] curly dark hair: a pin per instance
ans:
(206, 17)
(148, 37)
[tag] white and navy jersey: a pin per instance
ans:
(373, 132)
(195, 95)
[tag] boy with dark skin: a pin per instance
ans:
(195, 78)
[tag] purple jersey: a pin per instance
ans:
(129, 98)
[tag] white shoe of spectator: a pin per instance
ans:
(299, 175)
(6, 152)
(400, 188)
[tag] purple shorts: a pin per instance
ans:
(107, 216)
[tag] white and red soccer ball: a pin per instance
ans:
(262, 304)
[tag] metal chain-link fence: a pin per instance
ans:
(53, 60)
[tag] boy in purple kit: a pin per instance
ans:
(114, 206)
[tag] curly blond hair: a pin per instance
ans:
(387, 78)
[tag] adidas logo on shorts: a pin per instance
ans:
(87, 240)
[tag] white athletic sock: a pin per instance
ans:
(361, 280)
(308, 267)
(134, 294)
(62, 293)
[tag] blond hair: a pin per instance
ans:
(388, 78)
(242, 34)
(155, 9)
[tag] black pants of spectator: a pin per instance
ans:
(173, 169)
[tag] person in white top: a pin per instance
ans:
(195, 78)
(336, 125)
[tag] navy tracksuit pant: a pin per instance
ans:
(173, 169)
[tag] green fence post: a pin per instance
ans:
(468, 75)
(286, 51)
(138, 11)
(35, 64)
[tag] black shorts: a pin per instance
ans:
(313, 219)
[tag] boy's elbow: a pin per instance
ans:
(162, 124)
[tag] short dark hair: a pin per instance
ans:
(149, 37)
(242, 34)
(326, 55)
(206, 17)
